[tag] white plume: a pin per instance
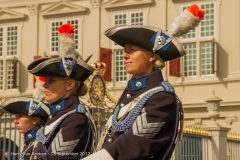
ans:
(67, 46)
(38, 92)
(183, 24)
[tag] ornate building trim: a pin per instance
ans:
(7, 14)
(95, 3)
(33, 8)
(62, 7)
(121, 3)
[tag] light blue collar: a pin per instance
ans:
(137, 84)
(30, 135)
(54, 108)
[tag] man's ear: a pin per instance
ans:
(36, 120)
(153, 57)
(71, 84)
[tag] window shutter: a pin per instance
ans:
(106, 57)
(174, 67)
(34, 78)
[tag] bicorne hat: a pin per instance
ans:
(26, 106)
(68, 64)
(29, 106)
(164, 44)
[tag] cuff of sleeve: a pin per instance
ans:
(112, 150)
(100, 155)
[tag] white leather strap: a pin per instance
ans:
(48, 128)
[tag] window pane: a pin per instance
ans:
(12, 33)
(120, 69)
(54, 35)
(207, 24)
(206, 56)
(1, 75)
(75, 24)
(120, 19)
(190, 60)
(137, 18)
(10, 74)
(190, 34)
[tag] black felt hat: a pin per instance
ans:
(164, 44)
(26, 106)
(57, 67)
(153, 39)
(68, 64)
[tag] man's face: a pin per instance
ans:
(23, 123)
(138, 61)
(55, 88)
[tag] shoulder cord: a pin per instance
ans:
(132, 116)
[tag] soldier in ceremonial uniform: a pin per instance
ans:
(145, 122)
(30, 115)
(68, 133)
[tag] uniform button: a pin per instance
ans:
(139, 84)
(122, 105)
(35, 157)
(110, 140)
(58, 107)
(128, 96)
(29, 136)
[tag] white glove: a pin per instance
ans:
(100, 155)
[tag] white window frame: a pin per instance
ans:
(123, 71)
(4, 58)
(198, 40)
(65, 20)
(128, 21)
(116, 47)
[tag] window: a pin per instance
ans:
(9, 69)
(54, 33)
(121, 74)
(131, 18)
(198, 45)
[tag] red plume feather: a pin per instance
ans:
(42, 79)
(66, 29)
(194, 9)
